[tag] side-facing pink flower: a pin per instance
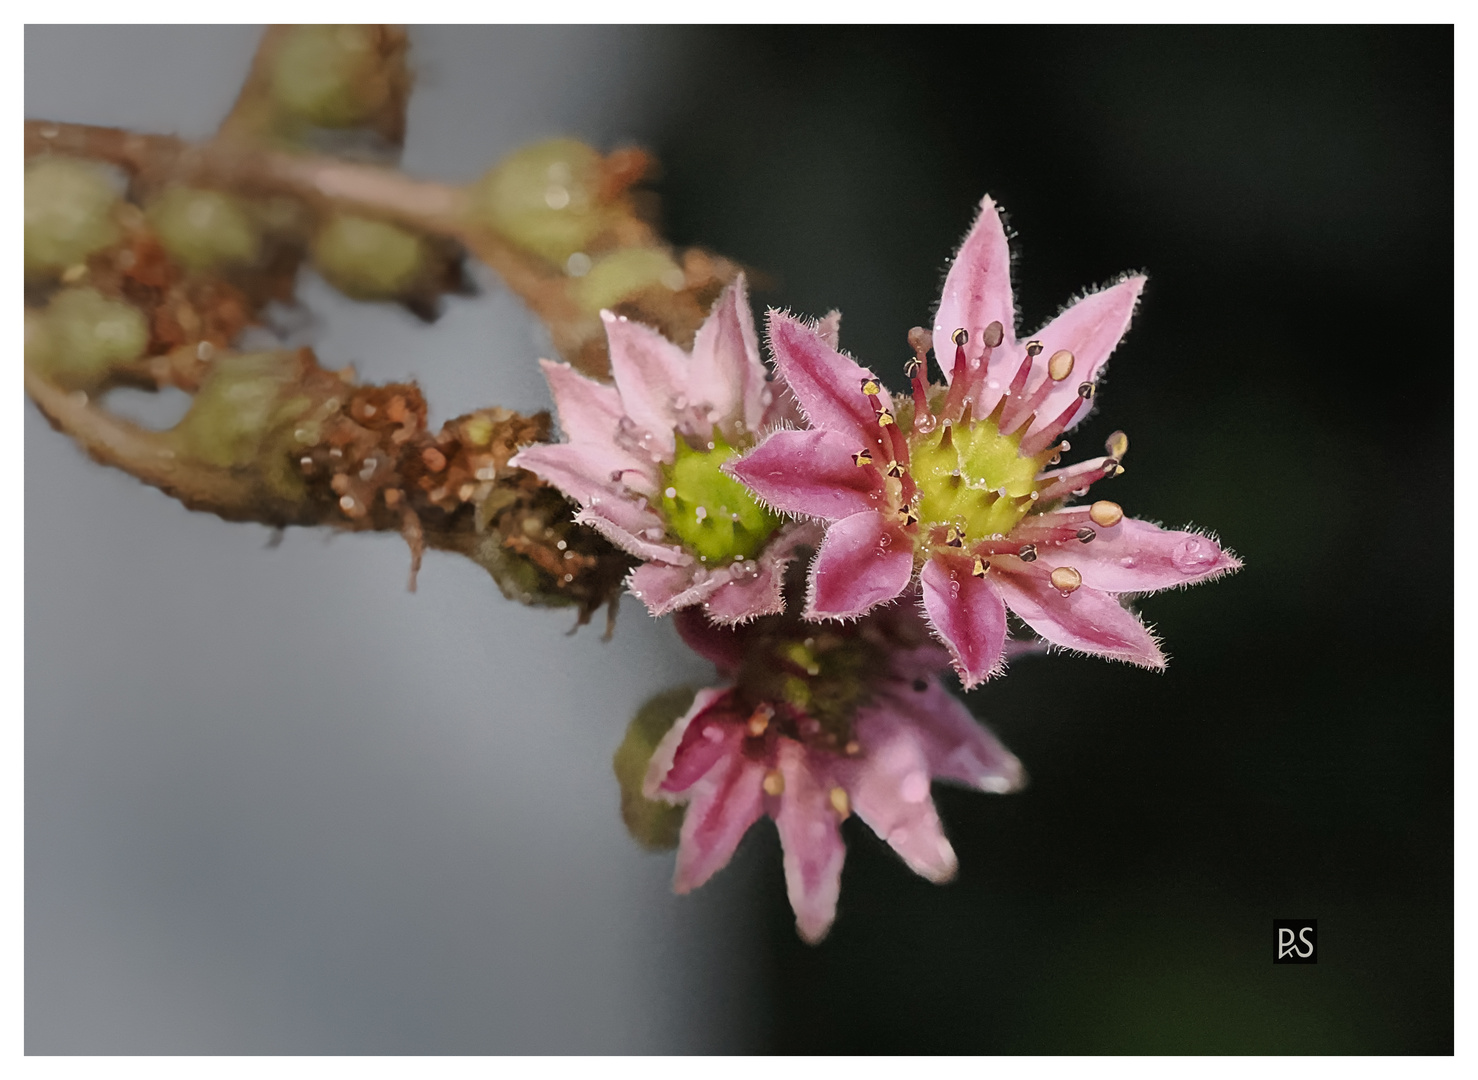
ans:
(956, 486)
(643, 459)
(818, 724)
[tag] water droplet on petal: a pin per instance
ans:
(1192, 555)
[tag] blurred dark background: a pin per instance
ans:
(1288, 383)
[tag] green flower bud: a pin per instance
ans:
(204, 229)
(623, 274)
(86, 334)
(368, 259)
(329, 75)
(544, 198)
(69, 214)
(240, 404)
(654, 825)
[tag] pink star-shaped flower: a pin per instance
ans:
(740, 753)
(643, 459)
(954, 488)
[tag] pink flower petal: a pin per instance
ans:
(811, 841)
(1086, 619)
(665, 588)
(596, 516)
(889, 789)
(588, 410)
(958, 746)
(863, 562)
(582, 470)
(1090, 330)
(810, 472)
(654, 786)
(726, 370)
(722, 807)
(748, 595)
(967, 614)
(829, 329)
(977, 291)
(1137, 557)
(715, 733)
(651, 373)
(723, 646)
(827, 384)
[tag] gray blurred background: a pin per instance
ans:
(275, 803)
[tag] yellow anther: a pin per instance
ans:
(1117, 445)
(839, 802)
(885, 418)
(981, 567)
(759, 720)
(1106, 514)
(774, 782)
(907, 516)
(960, 336)
(1066, 579)
(862, 457)
(953, 537)
(1033, 348)
(1060, 366)
(853, 748)
(871, 388)
(895, 469)
(1086, 391)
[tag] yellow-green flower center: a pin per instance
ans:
(971, 478)
(713, 515)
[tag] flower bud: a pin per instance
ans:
(623, 274)
(653, 825)
(367, 259)
(83, 335)
(242, 401)
(545, 198)
(330, 76)
(69, 214)
(204, 229)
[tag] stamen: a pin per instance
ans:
(1027, 552)
(1076, 478)
(1086, 535)
(994, 335)
(1034, 349)
(862, 457)
(885, 417)
(954, 538)
(981, 567)
(1015, 393)
(1087, 390)
(759, 720)
(840, 802)
(774, 782)
(895, 469)
(853, 748)
(907, 516)
(917, 370)
(1066, 579)
(1117, 445)
(959, 379)
(870, 387)
(1106, 514)
(1060, 366)
(1035, 443)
